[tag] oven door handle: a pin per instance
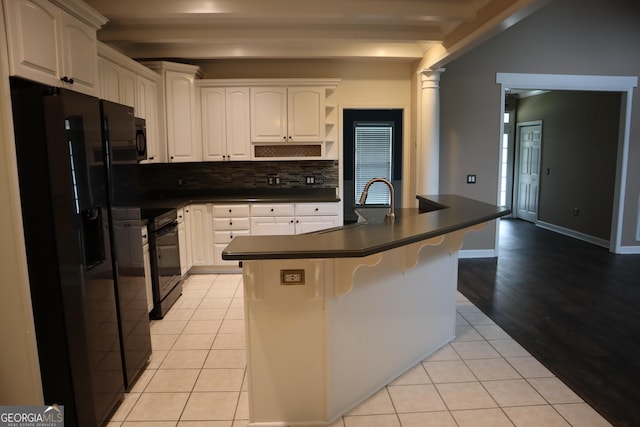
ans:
(167, 229)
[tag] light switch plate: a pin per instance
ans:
(292, 277)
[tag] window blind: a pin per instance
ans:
(373, 160)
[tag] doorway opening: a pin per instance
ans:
(372, 148)
(620, 84)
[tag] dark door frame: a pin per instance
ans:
(351, 116)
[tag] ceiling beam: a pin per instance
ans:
(237, 33)
(380, 10)
(345, 50)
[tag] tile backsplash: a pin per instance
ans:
(198, 178)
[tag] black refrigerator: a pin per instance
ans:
(81, 316)
(123, 197)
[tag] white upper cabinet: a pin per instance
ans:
(225, 121)
(79, 53)
(213, 121)
(178, 111)
(182, 141)
(125, 81)
(117, 84)
(294, 114)
(50, 46)
(305, 114)
(238, 123)
(128, 87)
(109, 74)
(268, 114)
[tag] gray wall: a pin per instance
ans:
(579, 149)
(590, 37)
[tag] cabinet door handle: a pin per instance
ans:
(271, 209)
(317, 209)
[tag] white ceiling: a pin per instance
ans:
(433, 31)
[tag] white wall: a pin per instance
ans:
(20, 382)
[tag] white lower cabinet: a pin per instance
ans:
(292, 218)
(307, 224)
(228, 221)
(209, 228)
(187, 233)
(146, 260)
(271, 226)
(201, 235)
(316, 216)
(273, 219)
(182, 242)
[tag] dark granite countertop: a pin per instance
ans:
(178, 201)
(440, 214)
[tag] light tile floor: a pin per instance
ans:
(197, 375)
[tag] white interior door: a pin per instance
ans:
(529, 158)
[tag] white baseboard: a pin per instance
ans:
(629, 250)
(575, 234)
(477, 253)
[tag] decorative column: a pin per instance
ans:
(428, 160)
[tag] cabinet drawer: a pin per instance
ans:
(230, 211)
(231, 224)
(307, 209)
(281, 209)
(226, 235)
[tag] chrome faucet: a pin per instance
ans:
(391, 216)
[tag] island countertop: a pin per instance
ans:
(437, 215)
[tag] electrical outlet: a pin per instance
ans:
(292, 277)
(310, 180)
(270, 180)
(471, 179)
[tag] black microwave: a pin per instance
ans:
(141, 139)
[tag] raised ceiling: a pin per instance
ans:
(431, 31)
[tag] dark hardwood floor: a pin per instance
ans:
(573, 305)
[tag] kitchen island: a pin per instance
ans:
(333, 316)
